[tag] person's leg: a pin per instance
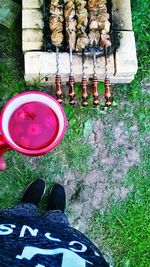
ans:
(30, 200)
(23, 209)
(56, 206)
(55, 216)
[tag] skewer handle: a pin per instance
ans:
(58, 88)
(71, 90)
(84, 92)
(95, 90)
(108, 96)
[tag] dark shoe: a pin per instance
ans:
(34, 192)
(57, 198)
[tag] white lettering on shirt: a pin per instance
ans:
(83, 247)
(48, 235)
(96, 254)
(68, 256)
(33, 232)
(6, 229)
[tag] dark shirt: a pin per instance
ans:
(29, 242)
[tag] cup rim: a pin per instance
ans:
(41, 151)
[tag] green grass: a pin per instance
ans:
(125, 234)
(123, 230)
(73, 149)
(22, 170)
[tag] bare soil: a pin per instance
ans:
(115, 151)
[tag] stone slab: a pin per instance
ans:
(32, 35)
(123, 80)
(32, 46)
(44, 80)
(121, 15)
(43, 64)
(32, 19)
(125, 57)
(31, 4)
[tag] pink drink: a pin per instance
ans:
(33, 126)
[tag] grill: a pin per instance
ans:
(47, 62)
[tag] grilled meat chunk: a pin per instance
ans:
(56, 22)
(70, 22)
(99, 25)
(82, 23)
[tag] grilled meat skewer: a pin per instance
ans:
(56, 22)
(58, 88)
(70, 22)
(82, 23)
(99, 25)
(56, 27)
(108, 95)
(84, 83)
(71, 82)
(95, 80)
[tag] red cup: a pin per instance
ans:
(6, 141)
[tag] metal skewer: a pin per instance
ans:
(71, 81)
(84, 82)
(95, 80)
(108, 95)
(58, 79)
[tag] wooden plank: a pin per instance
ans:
(121, 15)
(125, 58)
(31, 4)
(32, 19)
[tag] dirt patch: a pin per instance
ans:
(115, 150)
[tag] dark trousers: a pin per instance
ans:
(27, 210)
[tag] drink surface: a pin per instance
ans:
(33, 126)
